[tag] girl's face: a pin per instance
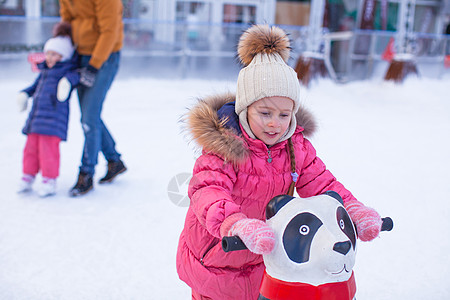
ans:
(269, 118)
(52, 57)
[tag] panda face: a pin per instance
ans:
(316, 242)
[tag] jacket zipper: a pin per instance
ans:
(269, 159)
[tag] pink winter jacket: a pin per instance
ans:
(233, 175)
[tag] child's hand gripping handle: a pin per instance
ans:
(234, 243)
(367, 221)
(240, 232)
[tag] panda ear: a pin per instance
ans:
(335, 195)
(276, 204)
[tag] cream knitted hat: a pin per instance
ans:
(61, 44)
(264, 51)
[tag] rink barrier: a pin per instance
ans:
(342, 51)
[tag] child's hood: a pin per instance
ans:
(215, 134)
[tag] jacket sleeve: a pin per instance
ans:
(314, 178)
(109, 21)
(210, 192)
(32, 88)
(65, 11)
(73, 77)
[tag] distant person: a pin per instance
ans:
(47, 122)
(98, 35)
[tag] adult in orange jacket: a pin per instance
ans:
(97, 31)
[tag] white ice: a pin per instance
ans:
(389, 144)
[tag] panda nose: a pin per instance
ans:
(342, 247)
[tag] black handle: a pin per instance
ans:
(387, 225)
(232, 243)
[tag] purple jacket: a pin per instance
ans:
(233, 175)
(48, 116)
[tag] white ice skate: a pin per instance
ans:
(47, 188)
(25, 184)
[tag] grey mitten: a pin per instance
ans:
(22, 101)
(87, 75)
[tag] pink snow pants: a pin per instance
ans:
(41, 153)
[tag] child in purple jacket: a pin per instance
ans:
(48, 119)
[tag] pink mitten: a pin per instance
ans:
(256, 234)
(367, 221)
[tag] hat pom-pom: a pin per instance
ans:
(62, 29)
(263, 39)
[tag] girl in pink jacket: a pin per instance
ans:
(254, 148)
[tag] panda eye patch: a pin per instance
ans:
(298, 236)
(345, 223)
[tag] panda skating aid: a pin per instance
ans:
(315, 249)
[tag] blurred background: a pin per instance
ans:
(197, 39)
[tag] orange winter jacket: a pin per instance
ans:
(97, 27)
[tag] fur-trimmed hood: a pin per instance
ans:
(213, 134)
